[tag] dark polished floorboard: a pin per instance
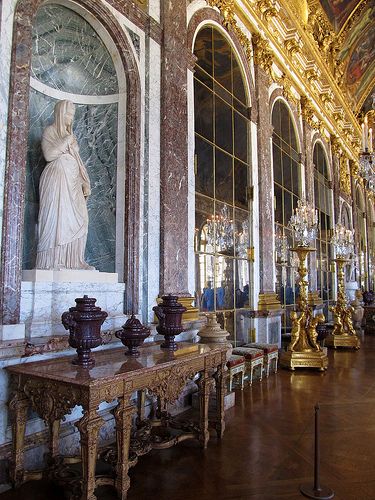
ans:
(267, 449)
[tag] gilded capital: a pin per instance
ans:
(262, 53)
(307, 111)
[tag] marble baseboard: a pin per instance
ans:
(69, 276)
(12, 332)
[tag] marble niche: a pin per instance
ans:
(70, 61)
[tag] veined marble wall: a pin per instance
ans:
(69, 60)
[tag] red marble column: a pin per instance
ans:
(174, 151)
(266, 229)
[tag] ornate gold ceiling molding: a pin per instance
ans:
(320, 29)
(267, 8)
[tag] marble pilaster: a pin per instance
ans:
(266, 220)
(174, 151)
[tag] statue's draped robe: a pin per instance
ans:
(63, 217)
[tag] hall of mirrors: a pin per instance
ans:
(203, 127)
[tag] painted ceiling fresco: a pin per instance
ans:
(338, 11)
(354, 24)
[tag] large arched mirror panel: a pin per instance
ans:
(323, 204)
(222, 163)
(287, 191)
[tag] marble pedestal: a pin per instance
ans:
(45, 295)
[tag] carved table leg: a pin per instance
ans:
(204, 395)
(220, 393)
(18, 406)
(141, 399)
(123, 416)
(54, 430)
(89, 427)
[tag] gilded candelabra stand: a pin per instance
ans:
(343, 334)
(304, 350)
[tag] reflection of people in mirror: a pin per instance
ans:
(64, 187)
(208, 298)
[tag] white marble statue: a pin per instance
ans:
(63, 189)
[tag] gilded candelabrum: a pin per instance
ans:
(304, 350)
(343, 334)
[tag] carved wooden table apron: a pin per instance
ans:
(54, 387)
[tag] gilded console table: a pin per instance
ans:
(54, 387)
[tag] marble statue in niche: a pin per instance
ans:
(64, 187)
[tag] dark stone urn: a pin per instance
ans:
(169, 313)
(84, 322)
(132, 335)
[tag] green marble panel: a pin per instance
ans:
(69, 55)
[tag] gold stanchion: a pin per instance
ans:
(343, 334)
(303, 350)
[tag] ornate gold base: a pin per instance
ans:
(343, 341)
(304, 359)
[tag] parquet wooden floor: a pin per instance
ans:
(267, 449)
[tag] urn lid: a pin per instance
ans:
(133, 325)
(85, 303)
(212, 328)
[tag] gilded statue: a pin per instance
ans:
(298, 323)
(63, 189)
(312, 333)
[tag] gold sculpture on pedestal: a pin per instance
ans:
(303, 350)
(343, 334)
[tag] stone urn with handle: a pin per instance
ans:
(84, 322)
(169, 313)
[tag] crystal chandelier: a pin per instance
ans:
(304, 223)
(343, 242)
(220, 230)
(367, 157)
